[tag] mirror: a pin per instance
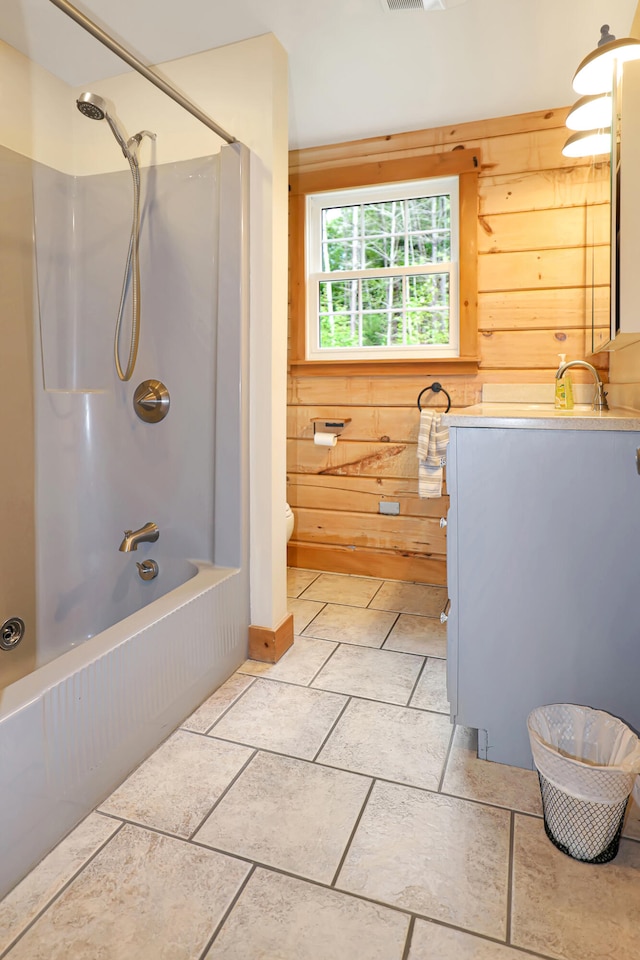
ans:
(612, 274)
(598, 255)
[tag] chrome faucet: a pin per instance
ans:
(147, 534)
(600, 398)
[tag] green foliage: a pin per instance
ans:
(390, 234)
(392, 311)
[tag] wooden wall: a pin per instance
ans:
(542, 230)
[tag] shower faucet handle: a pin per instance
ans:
(151, 401)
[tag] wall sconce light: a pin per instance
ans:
(596, 72)
(591, 113)
(588, 143)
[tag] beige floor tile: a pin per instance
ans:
(145, 896)
(279, 918)
(488, 782)
(281, 717)
(390, 742)
(40, 886)
(176, 787)
(303, 613)
(571, 910)
(375, 674)
(430, 941)
(213, 708)
(417, 598)
(351, 625)
(431, 691)
(425, 636)
(299, 665)
(338, 588)
(299, 579)
(288, 814)
(439, 856)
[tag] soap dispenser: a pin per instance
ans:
(564, 389)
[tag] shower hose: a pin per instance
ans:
(132, 270)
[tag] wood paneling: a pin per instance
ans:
(547, 190)
(352, 458)
(416, 534)
(368, 563)
(544, 229)
(540, 269)
(361, 495)
(540, 216)
(438, 138)
(373, 391)
(367, 423)
(388, 170)
(532, 348)
(538, 309)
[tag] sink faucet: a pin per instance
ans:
(600, 398)
(147, 534)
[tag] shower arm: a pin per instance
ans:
(141, 68)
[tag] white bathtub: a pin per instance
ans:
(74, 728)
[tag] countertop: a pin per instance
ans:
(542, 416)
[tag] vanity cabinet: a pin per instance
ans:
(543, 547)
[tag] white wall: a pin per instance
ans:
(243, 87)
(33, 116)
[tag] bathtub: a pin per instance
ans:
(74, 728)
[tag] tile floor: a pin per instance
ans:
(324, 808)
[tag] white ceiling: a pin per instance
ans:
(355, 70)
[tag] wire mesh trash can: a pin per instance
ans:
(587, 762)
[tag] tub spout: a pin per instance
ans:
(147, 534)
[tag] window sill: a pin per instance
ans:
(372, 368)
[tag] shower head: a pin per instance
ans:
(92, 106)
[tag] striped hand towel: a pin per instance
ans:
(432, 453)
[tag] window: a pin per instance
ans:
(382, 271)
(372, 306)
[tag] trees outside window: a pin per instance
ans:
(382, 271)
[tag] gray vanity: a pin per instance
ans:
(543, 556)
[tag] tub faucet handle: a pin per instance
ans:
(148, 569)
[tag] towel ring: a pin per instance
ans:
(437, 388)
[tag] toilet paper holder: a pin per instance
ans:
(324, 425)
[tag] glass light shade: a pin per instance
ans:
(588, 143)
(591, 113)
(595, 73)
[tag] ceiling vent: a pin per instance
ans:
(394, 6)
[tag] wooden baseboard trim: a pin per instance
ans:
(368, 563)
(269, 645)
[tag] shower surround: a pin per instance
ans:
(120, 661)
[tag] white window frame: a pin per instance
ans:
(406, 190)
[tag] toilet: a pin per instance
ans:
(289, 520)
